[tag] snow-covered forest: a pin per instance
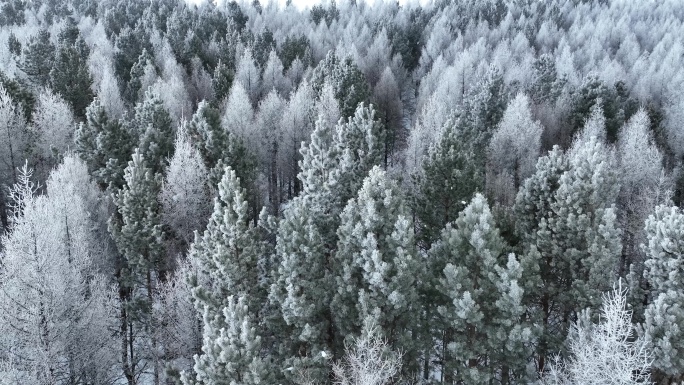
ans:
(463, 192)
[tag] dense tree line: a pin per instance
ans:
(464, 192)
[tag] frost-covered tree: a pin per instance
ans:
(609, 352)
(231, 348)
(273, 77)
(664, 317)
(269, 143)
(297, 123)
(171, 86)
(304, 284)
(367, 360)
(485, 337)
(378, 269)
(53, 124)
(424, 133)
(333, 166)
(643, 182)
(56, 307)
(513, 151)
(227, 257)
(229, 251)
(238, 114)
(185, 195)
(566, 219)
(327, 106)
(247, 72)
(303, 288)
(179, 330)
(377, 58)
(358, 147)
(110, 95)
(16, 138)
(200, 82)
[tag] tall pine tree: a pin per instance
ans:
(481, 309)
(378, 269)
(137, 231)
(227, 289)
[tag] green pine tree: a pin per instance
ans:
(481, 309)
(349, 83)
(567, 223)
(70, 76)
(38, 58)
(332, 169)
(105, 145)
(664, 315)
(228, 257)
(154, 126)
(450, 176)
(137, 231)
(377, 268)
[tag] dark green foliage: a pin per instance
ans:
(222, 80)
(55, 10)
(617, 105)
(488, 104)
(20, 94)
(133, 90)
(70, 34)
(451, 176)
(227, 46)
(39, 55)
(236, 15)
(154, 128)
(12, 12)
(14, 44)
(210, 22)
(257, 5)
(130, 44)
(319, 13)
(292, 48)
(119, 15)
(206, 133)
(348, 82)
(70, 76)
(138, 234)
(177, 26)
(547, 86)
(628, 106)
(85, 7)
(678, 193)
(105, 145)
(137, 231)
(656, 116)
(219, 149)
(407, 41)
(263, 45)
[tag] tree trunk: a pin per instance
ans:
(152, 331)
